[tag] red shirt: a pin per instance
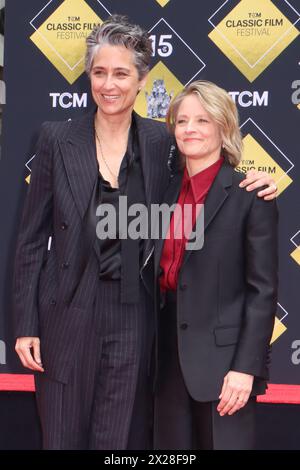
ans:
(193, 192)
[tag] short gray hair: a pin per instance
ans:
(118, 31)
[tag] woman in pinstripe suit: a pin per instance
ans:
(83, 316)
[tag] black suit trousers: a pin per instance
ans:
(181, 423)
(106, 403)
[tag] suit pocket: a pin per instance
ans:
(226, 335)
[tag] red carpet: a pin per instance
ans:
(276, 393)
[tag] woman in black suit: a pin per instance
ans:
(83, 316)
(218, 302)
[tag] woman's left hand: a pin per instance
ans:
(235, 392)
(256, 179)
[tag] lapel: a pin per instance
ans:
(216, 197)
(79, 155)
(149, 148)
(153, 154)
(171, 197)
(78, 150)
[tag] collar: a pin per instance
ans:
(201, 181)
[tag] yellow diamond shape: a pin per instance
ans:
(298, 106)
(252, 47)
(162, 2)
(261, 160)
(161, 86)
(278, 330)
(296, 255)
(27, 179)
(64, 47)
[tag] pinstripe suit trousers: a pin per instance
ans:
(107, 403)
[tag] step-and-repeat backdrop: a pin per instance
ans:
(249, 47)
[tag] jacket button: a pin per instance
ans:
(64, 226)
(65, 265)
(183, 286)
(52, 302)
(183, 326)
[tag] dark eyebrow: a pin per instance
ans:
(117, 69)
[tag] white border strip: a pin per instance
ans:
(286, 313)
(292, 239)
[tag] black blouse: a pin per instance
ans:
(116, 254)
(110, 248)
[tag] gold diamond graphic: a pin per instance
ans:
(27, 179)
(62, 37)
(279, 329)
(162, 85)
(252, 35)
(259, 159)
(298, 106)
(296, 255)
(162, 2)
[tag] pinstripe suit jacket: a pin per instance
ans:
(62, 180)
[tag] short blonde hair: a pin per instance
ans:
(219, 105)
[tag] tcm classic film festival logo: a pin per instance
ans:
(254, 33)
(60, 33)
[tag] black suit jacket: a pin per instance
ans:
(49, 300)
(227, 291)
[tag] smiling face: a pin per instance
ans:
(198, 136)
(114, 80)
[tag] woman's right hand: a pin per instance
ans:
(28, 350)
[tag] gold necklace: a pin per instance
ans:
(115, 177)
